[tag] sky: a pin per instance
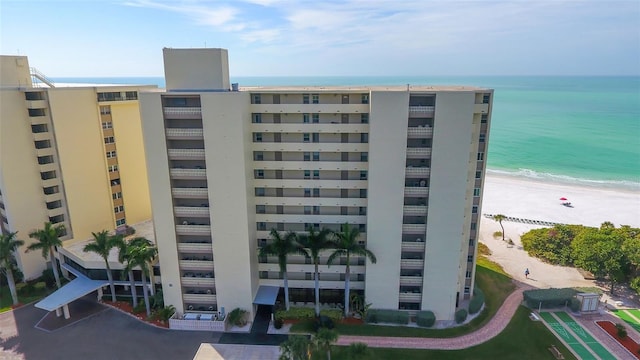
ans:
(118, 38)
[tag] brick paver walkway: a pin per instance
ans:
(489, 331)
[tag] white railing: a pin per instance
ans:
(416, 191)
(186, 154)
(177, 322)
(183, 111)
(419, 132)
(189, 193)
(421, 109)
(193, 229)
(199, 298)
(414, 228)
(173, 133)
(195, 248)
(413, 153)
(198, 282)
(188, 173)
(418, 171)
(410, 297)
(410, 280)
(411, 264)
(414, 210)
(191, 211)
(196, 265)
(413, 246)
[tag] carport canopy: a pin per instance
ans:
(74, 290)
(266, 295)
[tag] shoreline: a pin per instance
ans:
(557, 179)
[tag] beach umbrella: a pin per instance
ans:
(564, 199)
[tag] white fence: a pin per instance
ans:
(176, 322)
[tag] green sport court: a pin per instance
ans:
(586, 338)
(631, 317)
(566, 336)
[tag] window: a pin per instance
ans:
(257, 118)
(305, 118)
(364, 98)
(364, 156)
(40, 128)
(315, 118)
(36, 112)
(306, 156)
(362, 228)
(305, 98)
(316, 156)
(364, 118)
(478, 174)
(51, 190)
(484, 118)
(468, 274)
(109, 140)
(316, 174)
(315, 137)
(364, 138)
(305, 137)
(258, 156)
(480, 156)
(48, 175)
(470, 258)
(316, 192)
(307, 174)
(56, 219)
(256, 99)
(345, 98)
(363, 175)
(257, 137)
(117, 195)
(474, 210)
(42, 144)
(113, 168)
(54, 204)
(307, 192)
(315, 98)
(307, 210)
(363, 193)
(42, 160)
(107, 125)
(120, 222)
(118, 209)
(276, 98)
(131, 95)
(111, 154)
(105, 110)
(362, 210)
(115, 182)
(344, 118)
(482, 137)
(261, 209)
(486, 98)
(476, 192)
(473, 226)
(259, 191)
(261, 226)
(259, 174)
(471, 242)
(316, 210)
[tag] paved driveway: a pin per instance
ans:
(105, 335)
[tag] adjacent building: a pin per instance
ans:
(69, 155)
(404, 164)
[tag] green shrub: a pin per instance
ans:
(165, 313)
(277, 323)
(574, 305)
(49, 279)
(387, 316)
(460, 316)
(549, 298)
(497, 234)
(635, 284)
(140, 308)
(237, 317)
(296, 313)
(322, 322)
(476, 302)
(333, 314)
(426, 318)
(622, 331)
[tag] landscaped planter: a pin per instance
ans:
(628, 343)
(201, 325)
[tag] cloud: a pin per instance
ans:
(219, 16)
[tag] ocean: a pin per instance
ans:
(574, 130)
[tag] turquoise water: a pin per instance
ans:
(564, 129)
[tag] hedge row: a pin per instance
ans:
(476, 302)
(426, 318)
(548, 298)
(302, 313)
(387, 316)
(461, 316)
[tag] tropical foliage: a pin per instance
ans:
(141, 252)
(499, 218)
(314, 243)
(47, 239)
(102, 244)
(8, 245)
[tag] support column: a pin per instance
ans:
(65, 308)
(99, 294)
(58, 312)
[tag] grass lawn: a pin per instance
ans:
(490, 277)
(38, 292)
(523, 339)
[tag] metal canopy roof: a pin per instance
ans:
(266, 295)
(76, 289)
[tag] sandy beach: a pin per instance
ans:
(535, 200)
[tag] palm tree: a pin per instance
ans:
(346, 244)
(324, 339)
(102, 245)
(48, 238)
(314, 243)
(143, 252)
(125, 258)
(282, 247)
(499, 218)
(9, 244)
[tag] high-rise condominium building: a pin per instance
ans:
(68, 155)
(404, 165)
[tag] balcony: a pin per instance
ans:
(421, 111)
(309, 284)
(42, 136)
(310, 128)
(36, 104)
(184, 134)
(421, 132)
(189, 193)
(186, 154)
(195, 248)
(413, 246)
(408, 281)
(198, 282)
(302, 218)
(188, 174)
(414, 210)
(312, 165)
(310, 201)
(199, 265)
(414, 191)
(414, 229)
(410, 297)
(311, 146)
(191, 211)
(199, 298)
(413, 172)
(411, 264)
(310, 108)
(183, 112)
(481, 108)
(193, 229)
(418, 153)
(300, 184)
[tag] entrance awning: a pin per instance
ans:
(76, 289)
(266, 295)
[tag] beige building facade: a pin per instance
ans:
(69, 155)
(226, 165)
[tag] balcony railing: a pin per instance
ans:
(188, 173)
(421, 110)
(411, 264)
(198, 282)
(193, 229)
(200, 265)
(419, 132)
(413, 246)
(191, 211)
(415, 210)
(183, 112)
(189, 193)
(418, 153)
(417, 172)
(414, 228)
(415, 191)
(199, 298)
(408, 280)
(195, 248)
(186, 154)
(175, 133)
(410, 297)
